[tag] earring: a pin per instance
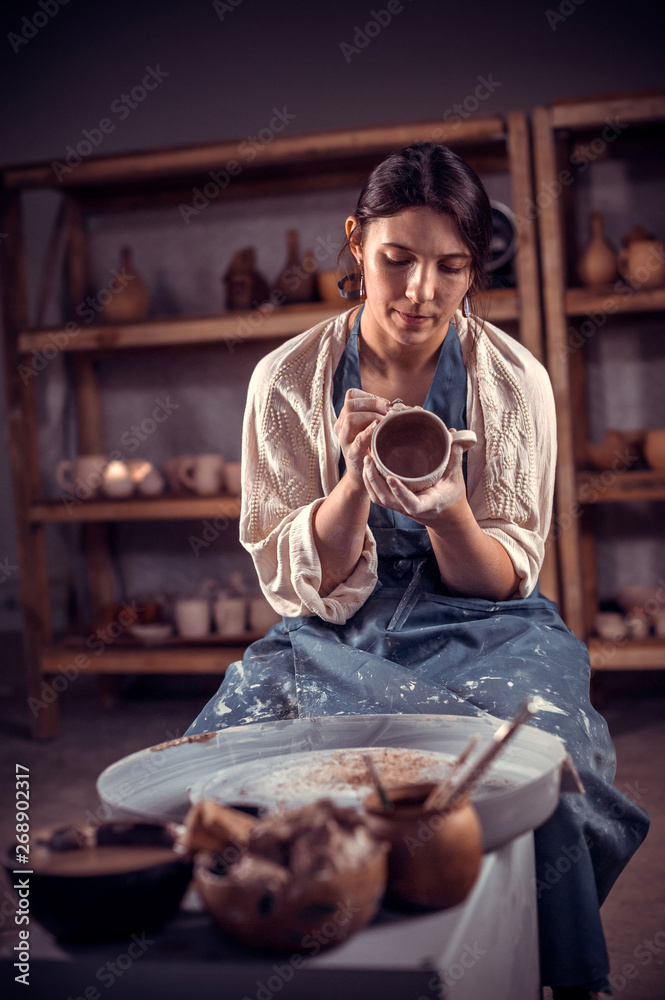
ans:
(466, 312)
(349, 287)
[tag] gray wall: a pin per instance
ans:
(230, 64)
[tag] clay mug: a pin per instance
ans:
(434, 858)
(148, 481)
(413, 445)
(202, 474)
(192, 617)
(233, 478)
(642, 263)
(172, 473)
(83, 476)
(230, 613)
(117, 482)
(262, 615)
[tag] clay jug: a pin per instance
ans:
(129, 300)
(598, 263)
(296, 282)
(434, 858)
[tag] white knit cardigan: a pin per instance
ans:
(291, 454)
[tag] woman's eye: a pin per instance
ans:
(451, 270)
(397, 263)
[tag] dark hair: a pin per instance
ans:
(429, 175)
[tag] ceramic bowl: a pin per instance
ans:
(151, 633)
(141, 885)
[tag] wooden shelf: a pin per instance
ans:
(206, 659)
(158, 180)
(135, 509)
(233, 328)
(631, 654)
(598, 487)
(580, 301)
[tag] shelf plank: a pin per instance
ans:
(624, 107)
(144, 660)
(610, 486)
(630, 654)
(135, 509)
(192, 162)
(234, 329)
(606, 299)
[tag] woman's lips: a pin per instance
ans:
(412, 319)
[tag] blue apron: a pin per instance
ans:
(415, 648)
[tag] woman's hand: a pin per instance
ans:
(428, 507)
(354, 428)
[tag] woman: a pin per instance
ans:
(397, 602)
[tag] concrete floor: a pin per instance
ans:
(152, 709)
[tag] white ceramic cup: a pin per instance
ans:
(611, 625)
(148, 481)
(117, 481)
(202, 474)
(192, 617)
(413, 445)
(262, 616)
(230, 614)
(82, 476)
(232, 478)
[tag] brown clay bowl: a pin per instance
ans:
(304, 916)
(74, 899)
(434, 860)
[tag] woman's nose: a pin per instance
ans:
(421, 284)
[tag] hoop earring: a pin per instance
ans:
(466, 312)
(350, 287)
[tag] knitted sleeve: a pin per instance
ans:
(290, 458)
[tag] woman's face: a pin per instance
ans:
(417, 270)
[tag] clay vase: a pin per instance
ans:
(130, 298)
(245, 287)
(598, 263)
(296, 282)
(434, 859)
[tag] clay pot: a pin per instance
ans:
(434, 859)
(328, 289)
(598, 263)
(414, 445)
(654, 448)
(642, 263)
(619, 445)
(292, 916)
(131, 302)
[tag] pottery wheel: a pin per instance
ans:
(518, 794)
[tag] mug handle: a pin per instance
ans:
(64, 474)
(466, 438)
(622, 263)
(186, 474)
